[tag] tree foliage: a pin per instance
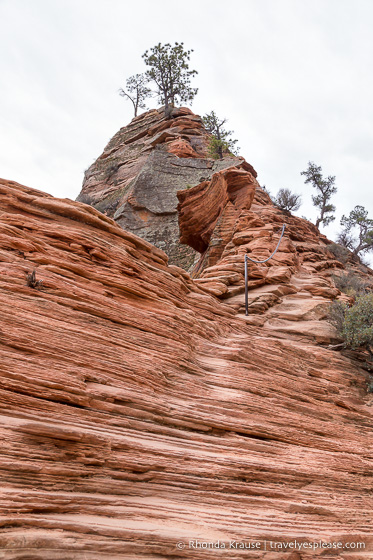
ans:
(286, 200)
(325, 189)
(169, 71)
(221, 141)
(357, 221)
(137, 91)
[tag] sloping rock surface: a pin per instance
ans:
(142, 416)
(136, 178)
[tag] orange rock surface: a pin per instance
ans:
(213, 207)
(140, 412)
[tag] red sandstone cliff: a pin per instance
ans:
(139, 411)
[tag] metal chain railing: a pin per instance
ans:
(258, 262)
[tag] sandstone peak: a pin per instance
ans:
(136, 179)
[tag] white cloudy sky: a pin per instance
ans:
(292, 76)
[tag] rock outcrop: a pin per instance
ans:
(136, 179)
(142, 417)
(208, 212)
(251, 225)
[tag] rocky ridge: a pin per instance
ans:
(139, 411)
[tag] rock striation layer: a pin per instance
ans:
(142, 416)
(136, 178)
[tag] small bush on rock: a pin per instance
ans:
(350, 284)
(111, 169)
(358, 324)
(340, 253)
(357, 222)
(336, 315)
(31, 281)
(287, 200)
(355, 325)
(221, 143)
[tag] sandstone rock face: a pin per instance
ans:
(252, 226)
(136, 179)
(140, 412)
(208, 212)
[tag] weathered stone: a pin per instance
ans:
(278, 274)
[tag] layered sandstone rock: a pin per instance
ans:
(140, 412)
(136, 178)
(208, 212)
(296, 280)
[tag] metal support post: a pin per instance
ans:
(246, 289)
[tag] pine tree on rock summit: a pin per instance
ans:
(169, 71)
(137, 91)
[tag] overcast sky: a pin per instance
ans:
(293, 77)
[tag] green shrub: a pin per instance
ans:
(355, 325)
(216, 148)
(358, 324)
(350, 284)
(221, 142)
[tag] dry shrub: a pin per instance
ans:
(351, 284)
